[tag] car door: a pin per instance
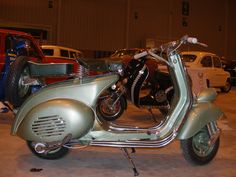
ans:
(2, 56)
(208, 69)
(220, 76)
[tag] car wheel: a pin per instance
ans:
(227, 86)
(56, 153)
(16, 90)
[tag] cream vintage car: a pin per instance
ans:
(57, 51)
(210, 65)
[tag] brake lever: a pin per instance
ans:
(202, 44)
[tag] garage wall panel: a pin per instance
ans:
(149, 19)
(87, 24)
(29, 13)
(231, 31)
(113, 24)
(206, 21)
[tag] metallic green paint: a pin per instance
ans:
(53, 120)
(207, 95)
(73, 104)
(85, 90)
(202, 112)
(199, 116)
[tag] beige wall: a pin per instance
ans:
(206, 21)
(148, 19)
(113, 24)
(230, 41)
(30, 14)
(87, 24)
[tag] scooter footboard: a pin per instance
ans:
(54, 120)
(200, 115)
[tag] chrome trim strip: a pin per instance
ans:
(169, 89)
(126, 128)
(136, 143)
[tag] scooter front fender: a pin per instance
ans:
(53, 120)
(199, 116)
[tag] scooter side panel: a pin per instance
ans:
(199, 116)
(55, 119)
(86, 92)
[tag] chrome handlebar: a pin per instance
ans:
(169, 48)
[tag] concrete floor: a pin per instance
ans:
(16, 160)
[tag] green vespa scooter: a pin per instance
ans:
(63, 116)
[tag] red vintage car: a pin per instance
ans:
(23, 67)
(16, 49)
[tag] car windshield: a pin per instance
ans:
(189, 58)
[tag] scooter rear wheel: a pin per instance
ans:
(51, 155)
(197, 150)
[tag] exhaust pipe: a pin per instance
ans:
(46, 147)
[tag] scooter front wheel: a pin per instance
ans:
(50, 155)
(197, 149)
(109, 108)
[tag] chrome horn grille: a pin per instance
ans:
(49, 126)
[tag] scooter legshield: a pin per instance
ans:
(53, 120)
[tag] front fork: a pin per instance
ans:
(117, 92)
(214, 132)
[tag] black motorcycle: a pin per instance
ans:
(134, 78)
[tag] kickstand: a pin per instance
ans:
(126, 154)
(153, 115)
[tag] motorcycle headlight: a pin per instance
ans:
(121, 72)
(116, 67)
(113, 87)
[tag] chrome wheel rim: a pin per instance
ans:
(23, 88)
(108, 108)
(200, 143)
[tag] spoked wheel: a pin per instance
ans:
(56, 153)
(109, 108)
(197, 149)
